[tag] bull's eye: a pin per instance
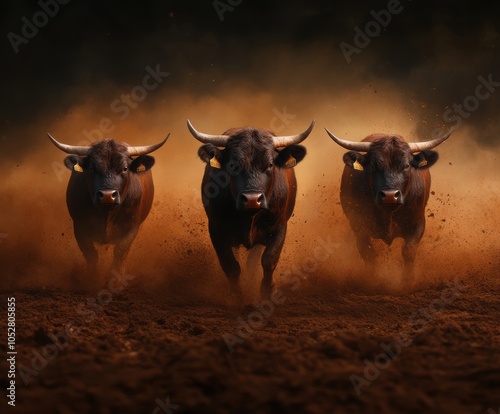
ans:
(125, 169)
(231, 164)
(407, 166)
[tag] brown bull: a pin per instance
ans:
(109, 195)
(384, 192)
(248, 192)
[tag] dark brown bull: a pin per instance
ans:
(109, 195)
(384, 192)
(248, 192)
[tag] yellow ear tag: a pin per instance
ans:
(77, 168)
(214, 163)
(357, 166)
(141, 168)
(422, 163)
(292, 162)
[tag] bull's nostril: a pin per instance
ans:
(260, 200)
(114, 194)
(397, 194)
(100, 194)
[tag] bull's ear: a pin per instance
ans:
(74, 163)
(142, 163)
(290, 156)
(425, 159)
(210, 154)
(354, 160)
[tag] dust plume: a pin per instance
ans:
(173, 249)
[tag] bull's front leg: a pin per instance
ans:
(367, 252)
(409, 250)
(228, 262)
(270, 259)
(86, 245)
(121, 250)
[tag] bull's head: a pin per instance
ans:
(388, 163)
(107, 165)
(250, 158)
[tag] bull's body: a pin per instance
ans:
(109, 195)
(248, 192)
(230, 227)
(384, 192)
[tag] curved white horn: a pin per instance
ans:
(350, 145)
(146, 149)
(426, 145)
(285, 141)
(70, 149)
(217, 140)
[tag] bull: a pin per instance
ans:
(109, 195)
(248, 191)
(384, 192)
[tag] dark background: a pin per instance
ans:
(432, 51)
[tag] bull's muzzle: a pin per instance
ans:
(108, 196)
(390, 196)
(251, 201)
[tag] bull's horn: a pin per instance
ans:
(70, 149)
(285, 141)
(146, 149)
(217, 140)
(350, 145)
(426, 145)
